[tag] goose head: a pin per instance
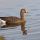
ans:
(23, 13)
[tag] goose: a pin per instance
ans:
(12, 21)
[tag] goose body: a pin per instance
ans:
(12, 21)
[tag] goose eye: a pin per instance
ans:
(25, 11)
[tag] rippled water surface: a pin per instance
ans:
(12, 8)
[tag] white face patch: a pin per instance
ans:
(25, 14)
(2, 22)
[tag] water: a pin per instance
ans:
(12, 8)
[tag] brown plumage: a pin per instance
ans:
(12, 21)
